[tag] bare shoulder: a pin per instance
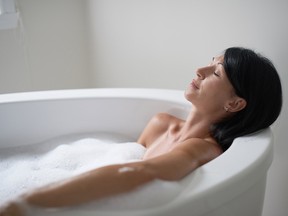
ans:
(183, 159)
(163, 117)
(201, 150)
(156, 126)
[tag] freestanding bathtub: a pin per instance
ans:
(232, 184)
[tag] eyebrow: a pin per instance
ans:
(220, 63)
(213, 58)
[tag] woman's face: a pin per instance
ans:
(211, 90)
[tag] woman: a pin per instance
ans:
(236, 94)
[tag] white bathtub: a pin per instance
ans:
(232, 184)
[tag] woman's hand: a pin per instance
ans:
(11, 209)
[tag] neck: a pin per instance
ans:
(197, 125)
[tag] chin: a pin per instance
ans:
(187, 95)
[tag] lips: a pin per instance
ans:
(195, 84)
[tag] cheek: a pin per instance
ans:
(211, 89)
(217, 91)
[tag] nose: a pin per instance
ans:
(203, 72)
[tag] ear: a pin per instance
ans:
(236, 104)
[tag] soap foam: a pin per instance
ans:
(27, 167)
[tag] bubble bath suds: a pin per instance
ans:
(28, 167)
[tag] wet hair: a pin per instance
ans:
(255, 79)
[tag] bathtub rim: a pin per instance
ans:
(132, 93)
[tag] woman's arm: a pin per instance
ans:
(92, 185)
(115, 179)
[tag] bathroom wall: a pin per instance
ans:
(62, 44)
(160, 43)
(48, 50)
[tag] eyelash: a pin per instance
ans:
(216, 74)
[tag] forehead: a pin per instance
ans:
(219, 59)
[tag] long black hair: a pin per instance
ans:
(255, 79)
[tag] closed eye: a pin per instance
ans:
(216, 74)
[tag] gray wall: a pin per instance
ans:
(48, 50)
(144, 43)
